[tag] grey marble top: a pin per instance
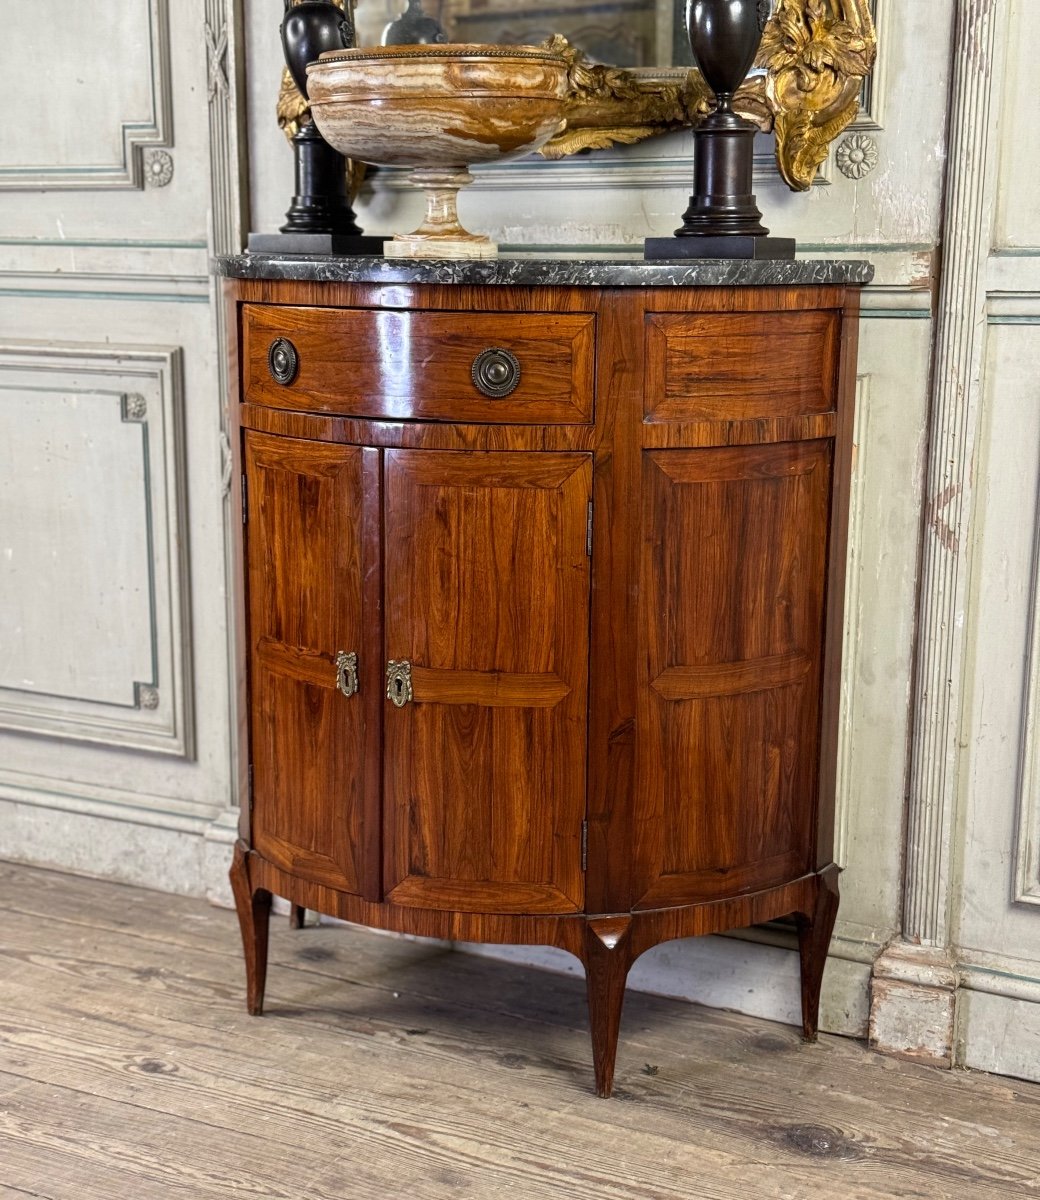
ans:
(558, 272)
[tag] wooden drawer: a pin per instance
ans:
(740, 366)
(417, 365)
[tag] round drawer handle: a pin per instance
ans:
(282, 361)
(496, 372)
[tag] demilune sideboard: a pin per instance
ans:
(541, 573)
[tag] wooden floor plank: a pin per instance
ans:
(129, 1150)
(390, 1068)
(307, 1107)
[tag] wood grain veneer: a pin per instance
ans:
(423, 366)
(726, 366)
(621, 731)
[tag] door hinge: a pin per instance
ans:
(588, 530)
(584, 845)
(249, 787)
(245, 501)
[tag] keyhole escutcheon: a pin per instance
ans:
(399, 682)
(347, 672)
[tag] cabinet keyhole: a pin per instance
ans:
(399, 682)
(347, 673)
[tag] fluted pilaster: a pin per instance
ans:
(958, 367)
(228, 219)
(226, 130)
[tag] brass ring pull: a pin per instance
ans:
(496, 372)
(283, 361)
(346, 672)
(399, 682)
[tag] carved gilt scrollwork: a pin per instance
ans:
(815, 55)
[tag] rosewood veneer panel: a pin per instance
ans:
(417, 365)
(487, 594)
(734, 550)
(740, 366)
(305, 605)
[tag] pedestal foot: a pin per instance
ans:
(607, 961)
(254, 913)
(441, 235)
(440, 247)
(814, 939)
(297, 916)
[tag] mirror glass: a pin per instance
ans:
(624, 33)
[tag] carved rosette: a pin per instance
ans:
(158, 168)
(857, 155)
(135, 407)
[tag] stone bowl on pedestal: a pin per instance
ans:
(438, 110)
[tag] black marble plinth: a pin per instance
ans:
(732, 245)
(315, 243)
(549, 272)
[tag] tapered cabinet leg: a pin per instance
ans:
(607, 961)
(254, 914)
(297, 916)
(814, 939)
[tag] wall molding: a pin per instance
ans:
(127, 267)
(995, 981)
(105, 243)
(114, 804)
(851, 640)
(896, 302)
(611, 170)
(29, 292)
(184, 854)
(156, 129)
(90, 284)
(142, 387)
(1027, 849)
(1013, 284)
(872, 98)
(844, 945)
(1014, 308)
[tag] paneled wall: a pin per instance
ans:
(114, 720)
(995, 858)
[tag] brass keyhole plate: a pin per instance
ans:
(399, 682)
(346, 672)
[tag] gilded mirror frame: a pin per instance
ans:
(813, 59)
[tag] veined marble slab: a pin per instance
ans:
(551, 272)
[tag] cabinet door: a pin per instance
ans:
(305, 561)
(732, 589)
(487, 597)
